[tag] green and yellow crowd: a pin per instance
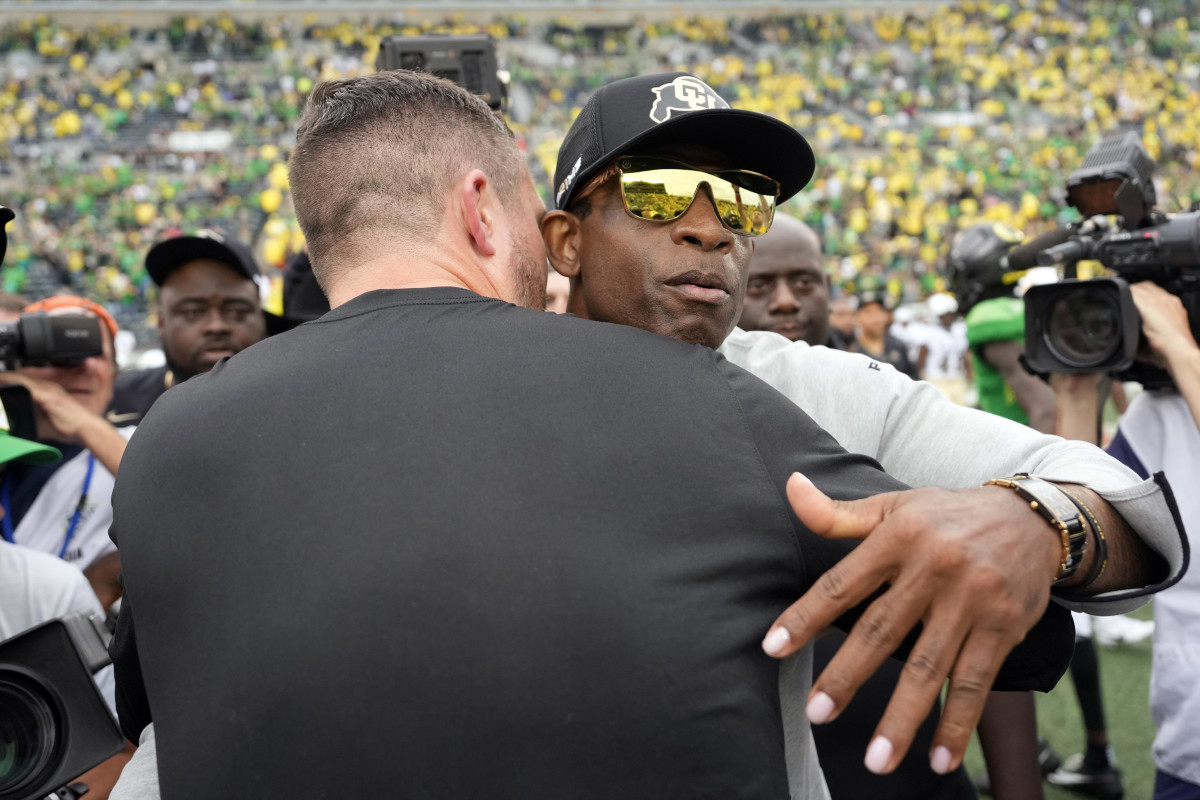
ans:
(113, 136)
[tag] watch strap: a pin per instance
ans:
(1057, 508)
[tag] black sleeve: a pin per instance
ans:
(133, 707)
(789, 440)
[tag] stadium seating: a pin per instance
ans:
(112, 136)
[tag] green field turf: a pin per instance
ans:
(1125, 677)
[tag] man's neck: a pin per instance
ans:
(397, 272)
(873, 342)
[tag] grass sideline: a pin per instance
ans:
(1125, 679)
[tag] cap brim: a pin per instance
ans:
(750, 140)
(13, 448)
(165, 256)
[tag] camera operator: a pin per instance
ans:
(11, 306)
(37, 587)
(65, 509)
(1160, 432)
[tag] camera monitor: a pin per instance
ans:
(469, 61)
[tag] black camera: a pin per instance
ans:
(38, 339)
(54, 724)
(469, 61)
(1093, 325)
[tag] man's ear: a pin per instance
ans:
(480, 211)
(561, 234)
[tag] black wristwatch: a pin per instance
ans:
(1056, 508)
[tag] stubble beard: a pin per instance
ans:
(529, 271)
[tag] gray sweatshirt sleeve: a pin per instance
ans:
(923, 439)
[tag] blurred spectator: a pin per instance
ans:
(841, 318)
(931, 120)
(908, 328)
(943, 359)
(871, 338)
(209, 309)
(787, 291)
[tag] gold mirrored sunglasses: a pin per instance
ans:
(662, 190)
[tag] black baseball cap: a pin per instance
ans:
(876, 296)
(168, 254)
(303, 298)
(676, 106)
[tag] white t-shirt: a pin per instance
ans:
(946, 348)
(1159, 428)
(38, 587)
(44, 526)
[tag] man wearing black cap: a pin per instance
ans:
(209, 308)
(649, 229)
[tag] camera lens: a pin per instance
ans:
(1084, 327)
(27, 732)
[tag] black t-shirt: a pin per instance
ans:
(895, 352)
(135, 391)
(434, 545)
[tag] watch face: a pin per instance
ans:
(1054, 505)
(1053, 499)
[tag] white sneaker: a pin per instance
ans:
(1109, 631)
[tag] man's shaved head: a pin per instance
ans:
(787, 291)
(354, 198)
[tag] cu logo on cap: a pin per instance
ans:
(685, 93)
(209, 233)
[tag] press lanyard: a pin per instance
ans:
(5, 500)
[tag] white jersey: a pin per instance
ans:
(45, 525)
(1161, 432)
(37, 587)
(946, 348)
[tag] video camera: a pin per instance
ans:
(54, 724)
(469, 61)
(38, 339)
(1093, 325)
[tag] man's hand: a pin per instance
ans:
(974, 566)
(1164, 321)
(62, 418)
(1172, 345)
(59, 415)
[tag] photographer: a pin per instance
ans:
(1159, 432)
(65, 509)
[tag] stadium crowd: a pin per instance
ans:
(927, 122)
(161, 179)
